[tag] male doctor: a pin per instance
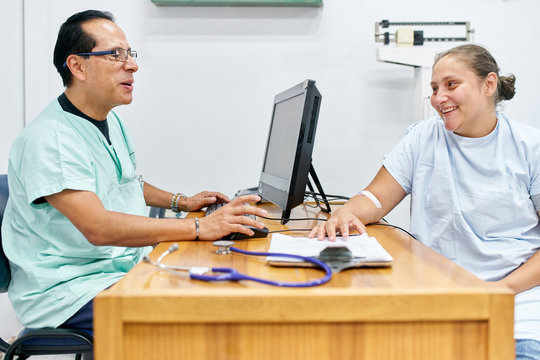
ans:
(75, 220)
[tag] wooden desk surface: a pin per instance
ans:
(423, 307)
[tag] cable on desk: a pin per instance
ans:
(328, 196)
(285, 230)
(310, 206)
(297, 219)
(395, 227)
(329, 202)
(319, 199)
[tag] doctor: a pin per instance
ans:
(474, 180)
(75, 221)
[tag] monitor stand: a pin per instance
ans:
(286, 214)
(321, 191)
(248, 191)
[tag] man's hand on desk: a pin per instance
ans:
(343, 220)
(230, 218)
(202, 199)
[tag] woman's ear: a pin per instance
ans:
(490, 84)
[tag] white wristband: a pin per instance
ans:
(371, 197)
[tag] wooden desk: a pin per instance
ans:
(424, 307)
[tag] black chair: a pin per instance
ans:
(39, 341)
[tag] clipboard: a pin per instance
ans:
(356, 251)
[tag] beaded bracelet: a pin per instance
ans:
(176, 201)
(196, 229)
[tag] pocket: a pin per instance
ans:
(433, 208)
(496, 214)
(434, 188)
(130, 197)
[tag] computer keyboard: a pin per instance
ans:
(213, 208)
(258, 233)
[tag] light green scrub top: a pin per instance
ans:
(55, 270)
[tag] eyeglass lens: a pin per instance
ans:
(122, 54)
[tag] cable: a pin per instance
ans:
(297, 219)
(328, 195)
(309, 196)
(396, 227)
(312, 206)
(318, 201)
(329, 199)
(285, 230)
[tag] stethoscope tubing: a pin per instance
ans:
(230, 274)
(316, 262)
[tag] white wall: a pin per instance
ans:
(11, 77)
(12, 112)
(207, 77)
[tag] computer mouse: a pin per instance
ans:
(258, 233)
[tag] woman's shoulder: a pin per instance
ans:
(428, 127)
(520, 130)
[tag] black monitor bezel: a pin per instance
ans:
(269, 188)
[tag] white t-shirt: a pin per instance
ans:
(471, 200)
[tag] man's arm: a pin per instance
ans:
(162, 199)
(109, 228)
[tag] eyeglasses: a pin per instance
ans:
(119, 54)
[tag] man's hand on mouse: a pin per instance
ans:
(230, 218)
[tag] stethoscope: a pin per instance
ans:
(230, 274)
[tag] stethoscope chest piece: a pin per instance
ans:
(223, 246)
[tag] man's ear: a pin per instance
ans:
(490, 84)
(77, 67)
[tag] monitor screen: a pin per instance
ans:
(289, 146)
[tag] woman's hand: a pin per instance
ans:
(341, 220)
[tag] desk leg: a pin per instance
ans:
(108, 329)
(501, 328)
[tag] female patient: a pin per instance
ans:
(474, 180)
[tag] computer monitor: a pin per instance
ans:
(287, 160)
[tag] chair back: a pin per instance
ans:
(5, 274)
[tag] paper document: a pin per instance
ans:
(364, 248)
